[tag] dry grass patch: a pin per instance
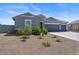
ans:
(46, 44)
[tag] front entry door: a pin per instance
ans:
(28, 22)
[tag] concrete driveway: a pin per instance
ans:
(70, 35)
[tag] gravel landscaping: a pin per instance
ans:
(12, 45)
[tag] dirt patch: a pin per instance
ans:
(12, 45)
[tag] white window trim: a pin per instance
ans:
(28, 20)
(59, 27)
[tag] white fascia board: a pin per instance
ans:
(56, 23)
(52, 23)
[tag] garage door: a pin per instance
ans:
(63, 27)
(52, 28)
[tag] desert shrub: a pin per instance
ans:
(46, 44)
(40, 37)
(20, 32)
(54, 36)
(45, 31)
(58, 40)
(24, 31)
(37, 30)
(28, 30)
(24, 37)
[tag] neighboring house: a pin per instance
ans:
(74, 26)
(50, 23)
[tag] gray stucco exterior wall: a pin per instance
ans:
(20, 21)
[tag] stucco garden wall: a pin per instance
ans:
(6, 28)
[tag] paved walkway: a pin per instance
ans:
(70, 35)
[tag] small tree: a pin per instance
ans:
(28, 31)
(44, 31)
(20, 32)
(36, 30)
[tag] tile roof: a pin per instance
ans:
(42, 17)
(53, 20)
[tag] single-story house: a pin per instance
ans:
(22, 20)
(50, 23)
(74, 26)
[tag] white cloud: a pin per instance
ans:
(35, 8)
(10, 12)
(21, 7)
(67, 16)
(14, 8)
(7, 21)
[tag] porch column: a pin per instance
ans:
(59, 27)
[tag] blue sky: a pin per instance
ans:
(62, 11)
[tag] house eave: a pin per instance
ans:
(56, 23)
